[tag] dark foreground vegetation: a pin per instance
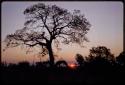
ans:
(94, 69)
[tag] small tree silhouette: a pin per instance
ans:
(80, 60)
(45, 25)
(100, 57)
(101, 52)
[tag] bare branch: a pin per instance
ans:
(48, 23)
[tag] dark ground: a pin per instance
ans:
(87, 74)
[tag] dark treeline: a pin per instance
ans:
(99, 67)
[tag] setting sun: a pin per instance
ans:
(72, 66)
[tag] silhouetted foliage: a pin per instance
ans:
(42, 64)
(100, 60)
(98, 70)
(24, 63)
(3, 64)
(61, 63)
(45, 25)
(80, 60)
(100, 52)
(121, 58)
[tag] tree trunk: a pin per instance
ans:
(51, 56)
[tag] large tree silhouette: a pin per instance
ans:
(49, 24)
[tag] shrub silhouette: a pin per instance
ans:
(24, 64)
(42, 64)
(121, 58)
(61, 63)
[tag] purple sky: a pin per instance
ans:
(106, 19)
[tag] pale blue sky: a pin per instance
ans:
(106, 19)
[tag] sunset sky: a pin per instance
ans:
(106, 19)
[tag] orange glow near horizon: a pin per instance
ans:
(72, 65)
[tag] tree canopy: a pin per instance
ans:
(47, 24)
(101, 52)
